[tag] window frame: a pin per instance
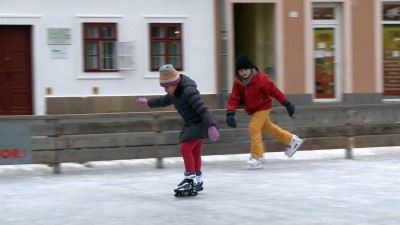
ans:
(165, 39)
(98, 40)
(335, 24)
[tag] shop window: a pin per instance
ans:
(100, 47)
(326, 52)
(165, 45)
(324, 55)
(391, 49)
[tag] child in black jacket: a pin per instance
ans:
(199, 123)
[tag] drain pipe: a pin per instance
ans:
(224, 56)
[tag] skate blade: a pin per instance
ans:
(254, 167)
(199, 189)
(185, 194)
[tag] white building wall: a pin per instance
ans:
(66, 76)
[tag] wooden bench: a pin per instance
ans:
(97, 137)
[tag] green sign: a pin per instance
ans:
(59, 36)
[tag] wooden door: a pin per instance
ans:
(15, 70)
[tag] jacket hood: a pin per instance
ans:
(186, 82)
(239, 79)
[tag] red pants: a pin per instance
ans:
(191, 153)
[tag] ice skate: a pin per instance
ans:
(187, 186)
(293, 146)
(254, 163)
(199, 180)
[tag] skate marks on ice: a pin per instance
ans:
(331, 191)
(334, 191)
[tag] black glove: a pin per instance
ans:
(230, 119)
(289, 107)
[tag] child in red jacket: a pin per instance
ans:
(256, 90)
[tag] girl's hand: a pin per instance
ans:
(142, 101)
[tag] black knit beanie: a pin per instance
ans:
(243, 62)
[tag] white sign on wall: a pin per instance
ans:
(59, 52)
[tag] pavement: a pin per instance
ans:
(313, 187)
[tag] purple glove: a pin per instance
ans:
(213, 133)
(142, 101)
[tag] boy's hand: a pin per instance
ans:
(289, 107)
(230, 119)
(213, 133)
(142, 101)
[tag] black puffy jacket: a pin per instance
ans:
(187, 101)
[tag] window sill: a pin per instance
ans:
(100, 77)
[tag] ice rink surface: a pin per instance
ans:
(318, 187)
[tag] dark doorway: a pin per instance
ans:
(254, 33)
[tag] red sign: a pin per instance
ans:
(12, 153)
(15, 144)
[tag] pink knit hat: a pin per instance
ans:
(169, 76)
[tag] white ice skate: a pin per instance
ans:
(187, 187)
(293, 146)
(199, 181)
(254, 163)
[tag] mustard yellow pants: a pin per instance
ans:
(260, 122)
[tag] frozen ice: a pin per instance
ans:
(312, 187)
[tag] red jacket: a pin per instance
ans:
(256, 95)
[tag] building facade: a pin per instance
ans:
(98, 57)
(318, 51)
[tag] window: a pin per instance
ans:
(391, 48)
(324, 13)
(327, 57)
(391, 11)
(100, 47)
(324, 60)
(165, 45)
